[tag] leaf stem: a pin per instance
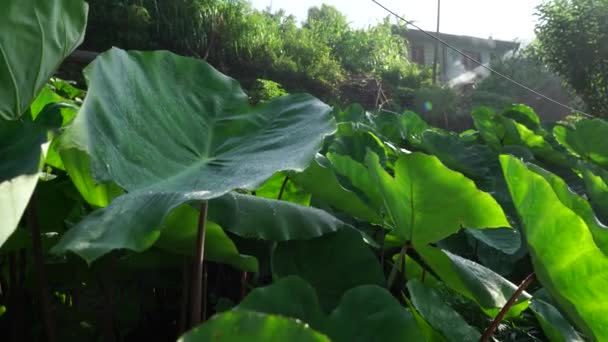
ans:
(522, 287)
(43, 289)
(397, 266)
(283, 187)
(197, 272)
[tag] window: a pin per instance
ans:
(417, 54)
(469, 64)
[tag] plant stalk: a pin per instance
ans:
(43, 289)
(522, 287)
(197, 272)
(397, 266)
(283, 187)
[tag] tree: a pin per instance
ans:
(573, 41)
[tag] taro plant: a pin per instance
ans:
(159, 198)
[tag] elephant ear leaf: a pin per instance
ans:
(42, 34)
(423, 187)
(566, 258)
(170, 130)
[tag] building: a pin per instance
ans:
(454, 68)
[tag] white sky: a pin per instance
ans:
(507, 20)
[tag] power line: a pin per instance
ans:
(443, 42)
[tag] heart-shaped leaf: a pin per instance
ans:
(364, 313)
(428, 202)
(340, 261)
(181, 133)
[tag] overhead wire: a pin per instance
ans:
(488, 68)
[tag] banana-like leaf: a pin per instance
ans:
(36, 37)
(428, 202)
(566, 259)
(170, 130)
(235, 326)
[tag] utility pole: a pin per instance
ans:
(436, 57)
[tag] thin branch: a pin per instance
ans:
(522, 287)
(43, 287)
(197, 272)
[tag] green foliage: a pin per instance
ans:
(323, 56)
(372, 229)
(573, 41)
(264, 90)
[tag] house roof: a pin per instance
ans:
(414, 36)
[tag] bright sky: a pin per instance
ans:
(507, 20)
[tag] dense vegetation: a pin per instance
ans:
(573, 41)
(324, 56)
(160, 198)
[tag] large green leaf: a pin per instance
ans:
(170, 130)
(428, 202)
(237, 326)
(365, 313)
(370, 313)
(566, 259)
(474, 281)
(332, 263)
(36, 37)
(586, 140)
(272, 220)
(577, 204)
(290, 297)
(473, 160)
(439, 314)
